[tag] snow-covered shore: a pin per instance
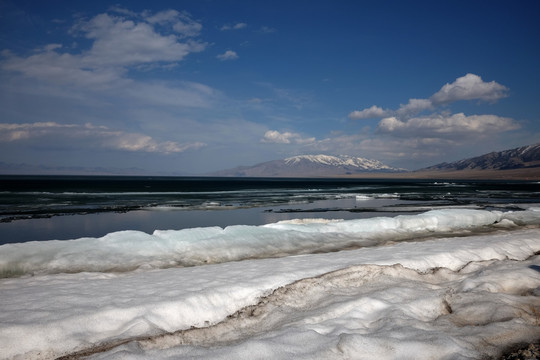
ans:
(129, 250)
(447, 298)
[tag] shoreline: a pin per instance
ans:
(522, 174)
(531, 174)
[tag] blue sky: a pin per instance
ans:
(195, 86)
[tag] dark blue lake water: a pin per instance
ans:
(36, 208)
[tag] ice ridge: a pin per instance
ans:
(129, 250)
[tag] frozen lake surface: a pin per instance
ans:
(269, 269)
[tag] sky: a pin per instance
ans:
(190, 87)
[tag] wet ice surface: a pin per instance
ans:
(460, 297)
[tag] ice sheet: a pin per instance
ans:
(129, 250)
(449, 298)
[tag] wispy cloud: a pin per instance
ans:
(117, 44)
(182, 94)
(267, 30)
(90, 136)
(442, 125)
(236, 26)
(181, 22)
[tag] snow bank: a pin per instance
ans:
(445, 298)
(128, 250)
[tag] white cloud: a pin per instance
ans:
(469, 87)
(236, 26)
(118, 43)
(447, 126)
(60, 69)
(228, 55)
(273, 136)
(51, 47)
(123, 11)
(181, 22)
(372, 112)
(144, 143)
(187, 27)
(162, 17)
(15, 132)
(91, 136)
(121, 42)
(417, 135)
(415, 106)
(304, 141)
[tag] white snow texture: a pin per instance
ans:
(464, 297)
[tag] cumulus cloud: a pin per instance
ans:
(468, 87)
(440, 125)
(415, 106)
(425, 128)
(372, 112)
(73, 135)
(276, 137)
(228, 55)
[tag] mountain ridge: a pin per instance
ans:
(517, 163)
(516, 158)
(311, 165)
(520, 158)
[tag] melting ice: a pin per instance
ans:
(128, 250)
(405, 288)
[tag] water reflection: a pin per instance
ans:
(99, 224)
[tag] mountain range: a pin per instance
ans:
(518, 163)
(518, 158)
(526, 157)
(310, 165)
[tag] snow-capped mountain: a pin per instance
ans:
(311, 165)
(356, 163)
(526, 158)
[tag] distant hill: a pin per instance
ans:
(518, 163)
(518, 158)
(311, 165)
